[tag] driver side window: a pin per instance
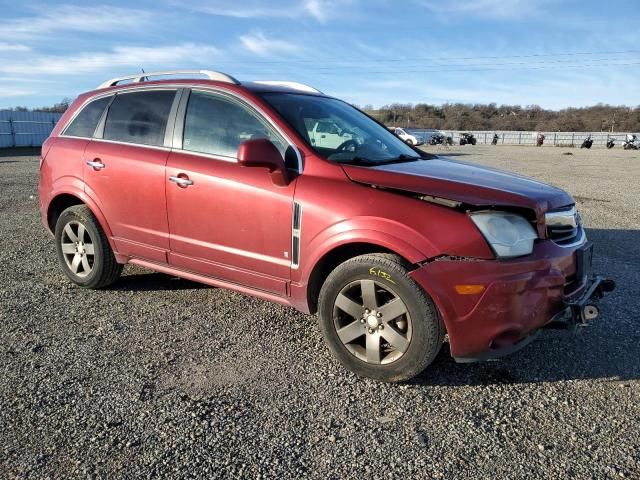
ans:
(217, 125)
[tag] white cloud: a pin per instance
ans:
(99, 19)
(320, 10)
(9, 91)
(486, 8)
(259, 44)
(123, 56)
(13, 47)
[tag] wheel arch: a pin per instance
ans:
(58, 205)
(65, 199)
(334, 257)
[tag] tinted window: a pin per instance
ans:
(369, 143)
(139, 117)
(87, 120)
(216, 125)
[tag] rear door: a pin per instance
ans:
(225, 220)
(125, 170)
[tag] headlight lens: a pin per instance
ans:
(508, 234)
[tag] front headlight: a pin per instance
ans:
(508, 234)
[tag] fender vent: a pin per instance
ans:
(297, 215)
(296, 231)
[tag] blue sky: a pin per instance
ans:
(551, 53)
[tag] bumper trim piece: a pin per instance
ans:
(498, 353)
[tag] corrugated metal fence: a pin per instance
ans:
(25, 129)
(506, 137)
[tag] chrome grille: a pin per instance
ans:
(564, 227)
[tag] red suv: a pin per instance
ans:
(218, 181)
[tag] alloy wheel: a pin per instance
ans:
(78, 249)
(372, 322)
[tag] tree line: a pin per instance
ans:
(458, 116)
(59, 107)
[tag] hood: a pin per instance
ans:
(463, 182)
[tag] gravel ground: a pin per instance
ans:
(163, 377)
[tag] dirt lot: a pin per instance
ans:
(162, 377)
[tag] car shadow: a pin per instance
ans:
(609, 349)
(20, 152)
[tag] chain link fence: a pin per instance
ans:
(508, 137)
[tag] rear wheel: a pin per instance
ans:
(377, 321)
(83, 250)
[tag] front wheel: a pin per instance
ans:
(376, 319)
(83, 250)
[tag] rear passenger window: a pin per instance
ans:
(217, 125)
(85, 123)
(139, 117)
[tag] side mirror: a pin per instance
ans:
(263, 153)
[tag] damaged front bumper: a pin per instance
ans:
(578, 312)
(582, 309)
(550, 288)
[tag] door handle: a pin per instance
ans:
(96, 164)
(181, 181)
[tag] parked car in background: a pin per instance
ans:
(327, 134)
(405, 136)
(218, 181)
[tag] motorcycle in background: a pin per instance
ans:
(611, 142)
(631, 142)
(587, 143)
(441, 139)
(467, 138)
(540, 139)
(495, 139)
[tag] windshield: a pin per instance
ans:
(340, 132)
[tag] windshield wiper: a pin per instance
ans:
(358, 161)
(363, 161)
(402, 158)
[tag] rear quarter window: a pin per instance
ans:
(85, 123)
(139, 117)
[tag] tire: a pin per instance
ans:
(409, 142)
(77, 234)
(408, 340)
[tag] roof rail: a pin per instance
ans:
(141, 77)
(294, 85)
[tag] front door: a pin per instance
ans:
(124, 172)
(226, 221)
